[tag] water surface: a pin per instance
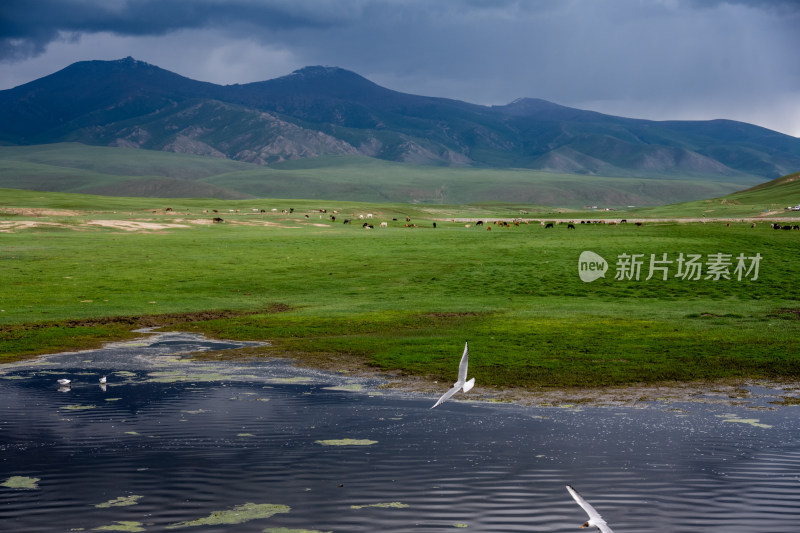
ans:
(170, 443)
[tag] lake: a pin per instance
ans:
(267, 447)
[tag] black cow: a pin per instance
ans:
(548, 225)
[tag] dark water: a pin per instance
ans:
(183, 440)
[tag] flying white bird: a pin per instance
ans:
(595, 520)
(64, 381)
(462, 382)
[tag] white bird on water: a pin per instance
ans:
(462, 382)
(64, 381)
(595, 520)
(103, 380)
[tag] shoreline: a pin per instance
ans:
(734, 392)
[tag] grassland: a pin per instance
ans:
(402, 298)
(77, 168)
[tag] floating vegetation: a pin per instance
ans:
(195, 412)
(122, 501)
(113, 399)
(78, 407)
(749, 421)
(174, 376)
(21, 482)
(287, 530)
(237, 515)
(245, 435)
(121, 526)
(460, 524)
(346, 442)
(350, 387)
(296, 379)
(389, 505)
(14, 377)
(124, 374)
(131, 432)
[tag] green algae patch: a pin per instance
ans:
(121, 526)
(287, 530)
(237, 515)
(460, 524)
(122, 501)
(389, 505)
(351, 387)
(182, 377)
(749, 421)
(21, 482)
(78, 407)
(297, 379)
(245, 435)
(346, 442)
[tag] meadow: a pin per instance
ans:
(405, 297)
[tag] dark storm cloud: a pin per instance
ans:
(28, 26)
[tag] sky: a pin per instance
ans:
(651, 59)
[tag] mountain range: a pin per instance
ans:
(318, 111)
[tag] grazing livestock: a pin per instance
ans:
(479, 223)
(217, 220)
(753, 225)
(347, 221)
(488, 228)
(434, 224)
(623, 221)
(369, 215)
(384, 225)
(570, 226)
(548, 225)
(638, 223)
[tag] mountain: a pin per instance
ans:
(319, 111)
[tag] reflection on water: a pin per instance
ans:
(169, 444)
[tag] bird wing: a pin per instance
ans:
(462, 366)
(446, 396)
(591, 511)
(603, 527)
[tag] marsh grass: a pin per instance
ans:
(406, 298)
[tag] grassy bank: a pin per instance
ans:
(401, 297)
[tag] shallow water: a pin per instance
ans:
(177, 441)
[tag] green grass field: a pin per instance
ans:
(77, 168)
(404, 298)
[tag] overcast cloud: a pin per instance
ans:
(656, 59)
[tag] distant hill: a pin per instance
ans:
(324, 111)
(112, 171)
